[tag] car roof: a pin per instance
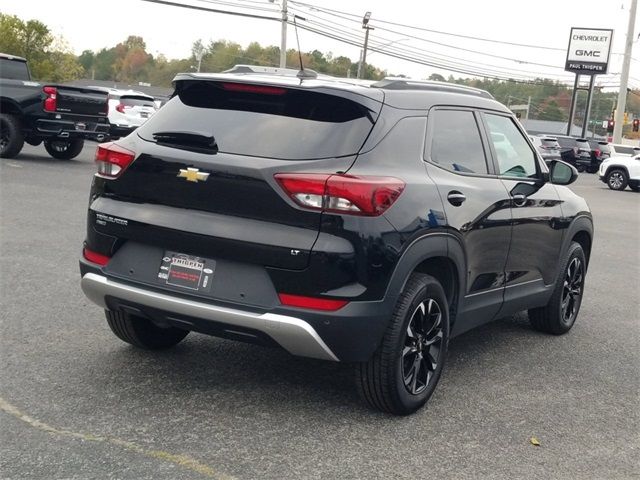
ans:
(401, 93)
(12, 57)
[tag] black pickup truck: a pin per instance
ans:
(60, 116)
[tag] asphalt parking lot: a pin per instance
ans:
(75, 402)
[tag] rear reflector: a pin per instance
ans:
(349, 194)
(262, 89)
(312, 303)
(50, 103)
(112, 159)
(95, 257)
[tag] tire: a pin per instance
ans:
(560, 314)
(580, 167)
(635, 187)
(11, 137)
(142, 333)
(617, 179)
(64, 149)
(389, 381)
(592, 169)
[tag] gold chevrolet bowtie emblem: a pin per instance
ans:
(193, 175)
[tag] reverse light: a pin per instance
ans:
(312, 303)
(51, 102)
(112, 159)
(348, 194)
(95, 257)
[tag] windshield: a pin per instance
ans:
(266, 121)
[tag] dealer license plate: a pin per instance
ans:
(186, 271)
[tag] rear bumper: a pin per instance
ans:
(293, 334)
(71, 129)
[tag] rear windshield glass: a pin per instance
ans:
(13, 69)
(567, 142)
(583, 144)
(625, 150)
(550, 142)
(262, 121)
(136, 101)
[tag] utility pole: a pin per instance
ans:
(528, 107)
(365, 24)
(283, 36)
(624, 76)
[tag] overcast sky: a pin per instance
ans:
(89, 24)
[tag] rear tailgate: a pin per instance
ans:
(137, 106)
(222, 201)
(81, 101)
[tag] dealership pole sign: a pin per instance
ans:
(589, 51)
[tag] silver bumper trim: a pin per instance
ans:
(293, 334)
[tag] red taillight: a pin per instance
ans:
(312, 303)
(51, 102)
(354, 195)
(95, 257)
(112, 159)
(598, 152)
(120, 107)
(262, 89)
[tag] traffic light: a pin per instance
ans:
(610, 124)
(636, 124)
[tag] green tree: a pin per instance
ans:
(86, 59)
(436, 77)
(551, 111)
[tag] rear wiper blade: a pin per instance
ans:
(187, 139)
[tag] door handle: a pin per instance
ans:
(519, 199)
(456, 198)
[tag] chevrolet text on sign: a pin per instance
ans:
(589, 50)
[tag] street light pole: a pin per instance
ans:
(624, 75)
(363, 63)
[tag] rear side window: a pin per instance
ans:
(515, 157)
(456, 143)
(13, 69)
(266, 121)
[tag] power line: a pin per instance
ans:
(214, 10)
(459, 35)
(446, 45)
(476, 66)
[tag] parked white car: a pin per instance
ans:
(618, 171)
(129, 110)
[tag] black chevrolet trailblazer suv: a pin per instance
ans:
(357, 222)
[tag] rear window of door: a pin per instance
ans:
(456, 143)
(514, 156)
(268, 121)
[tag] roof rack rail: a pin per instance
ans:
(288, 72)
(400, 83)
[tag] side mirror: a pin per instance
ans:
(561, 173)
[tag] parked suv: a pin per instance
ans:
(548, 147)
(345, 222)
(576, 152)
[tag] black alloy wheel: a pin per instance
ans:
(404, 371)
(422, 346)
(561, 312)
(572, 291)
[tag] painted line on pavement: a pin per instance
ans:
(183, 461)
